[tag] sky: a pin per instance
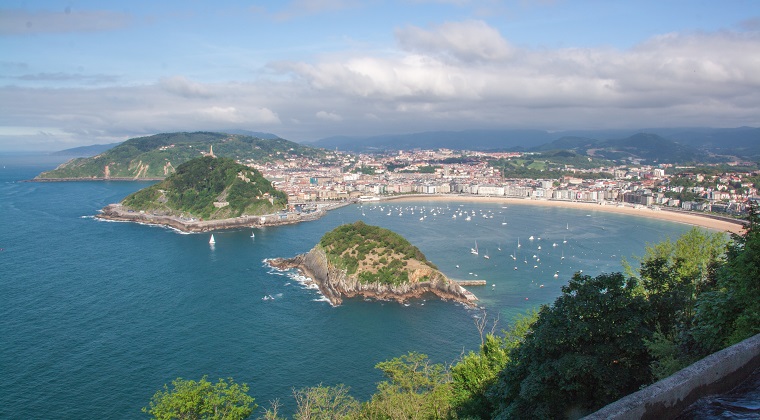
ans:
(79, 72)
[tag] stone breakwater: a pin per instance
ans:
(120, 213)
(335, 284)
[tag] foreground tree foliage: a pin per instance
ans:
(325, 403)
(674, 276)
(415, 389)
(476, 373)
(583, 352)
(729, 312)
(188, 399)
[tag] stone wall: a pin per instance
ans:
(715, 374)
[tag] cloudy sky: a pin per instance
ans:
(84, 72)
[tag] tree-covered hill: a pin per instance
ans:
(210, 188)
(550, 164)
(159, 155)
(646, 147)
(375, 253)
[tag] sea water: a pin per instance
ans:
(96, 316)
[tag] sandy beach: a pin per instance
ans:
(690, 218)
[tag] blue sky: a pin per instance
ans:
(83, 72)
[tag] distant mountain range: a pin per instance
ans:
(659, 144)
(662, 145)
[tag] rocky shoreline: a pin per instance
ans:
(117, 212)
(335, 284)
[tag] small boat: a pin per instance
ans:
(253, 235)
(474, 251)
(556, 274)
(212, 241)
(531, 238)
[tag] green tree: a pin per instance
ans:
(583, 352)
(188, 399)
(475, 373)
(730, 312)
(416, 389)
(674, 274)
(325, 403)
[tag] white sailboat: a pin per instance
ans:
(474, 251)
(212, 241)
(486, 255)
(253, 235)
(518, 243)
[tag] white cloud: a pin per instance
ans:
(471, 40)
(704, 79)
(181, 86)
(328, 116)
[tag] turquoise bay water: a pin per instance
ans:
(96, 316)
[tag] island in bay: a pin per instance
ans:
(205, 193)
(369, 261)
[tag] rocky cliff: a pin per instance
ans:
(335, 284)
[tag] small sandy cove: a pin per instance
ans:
(690, 218)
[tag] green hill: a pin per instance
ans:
(647, 147)
(210, 188)
(155, 157)
(375, 254)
